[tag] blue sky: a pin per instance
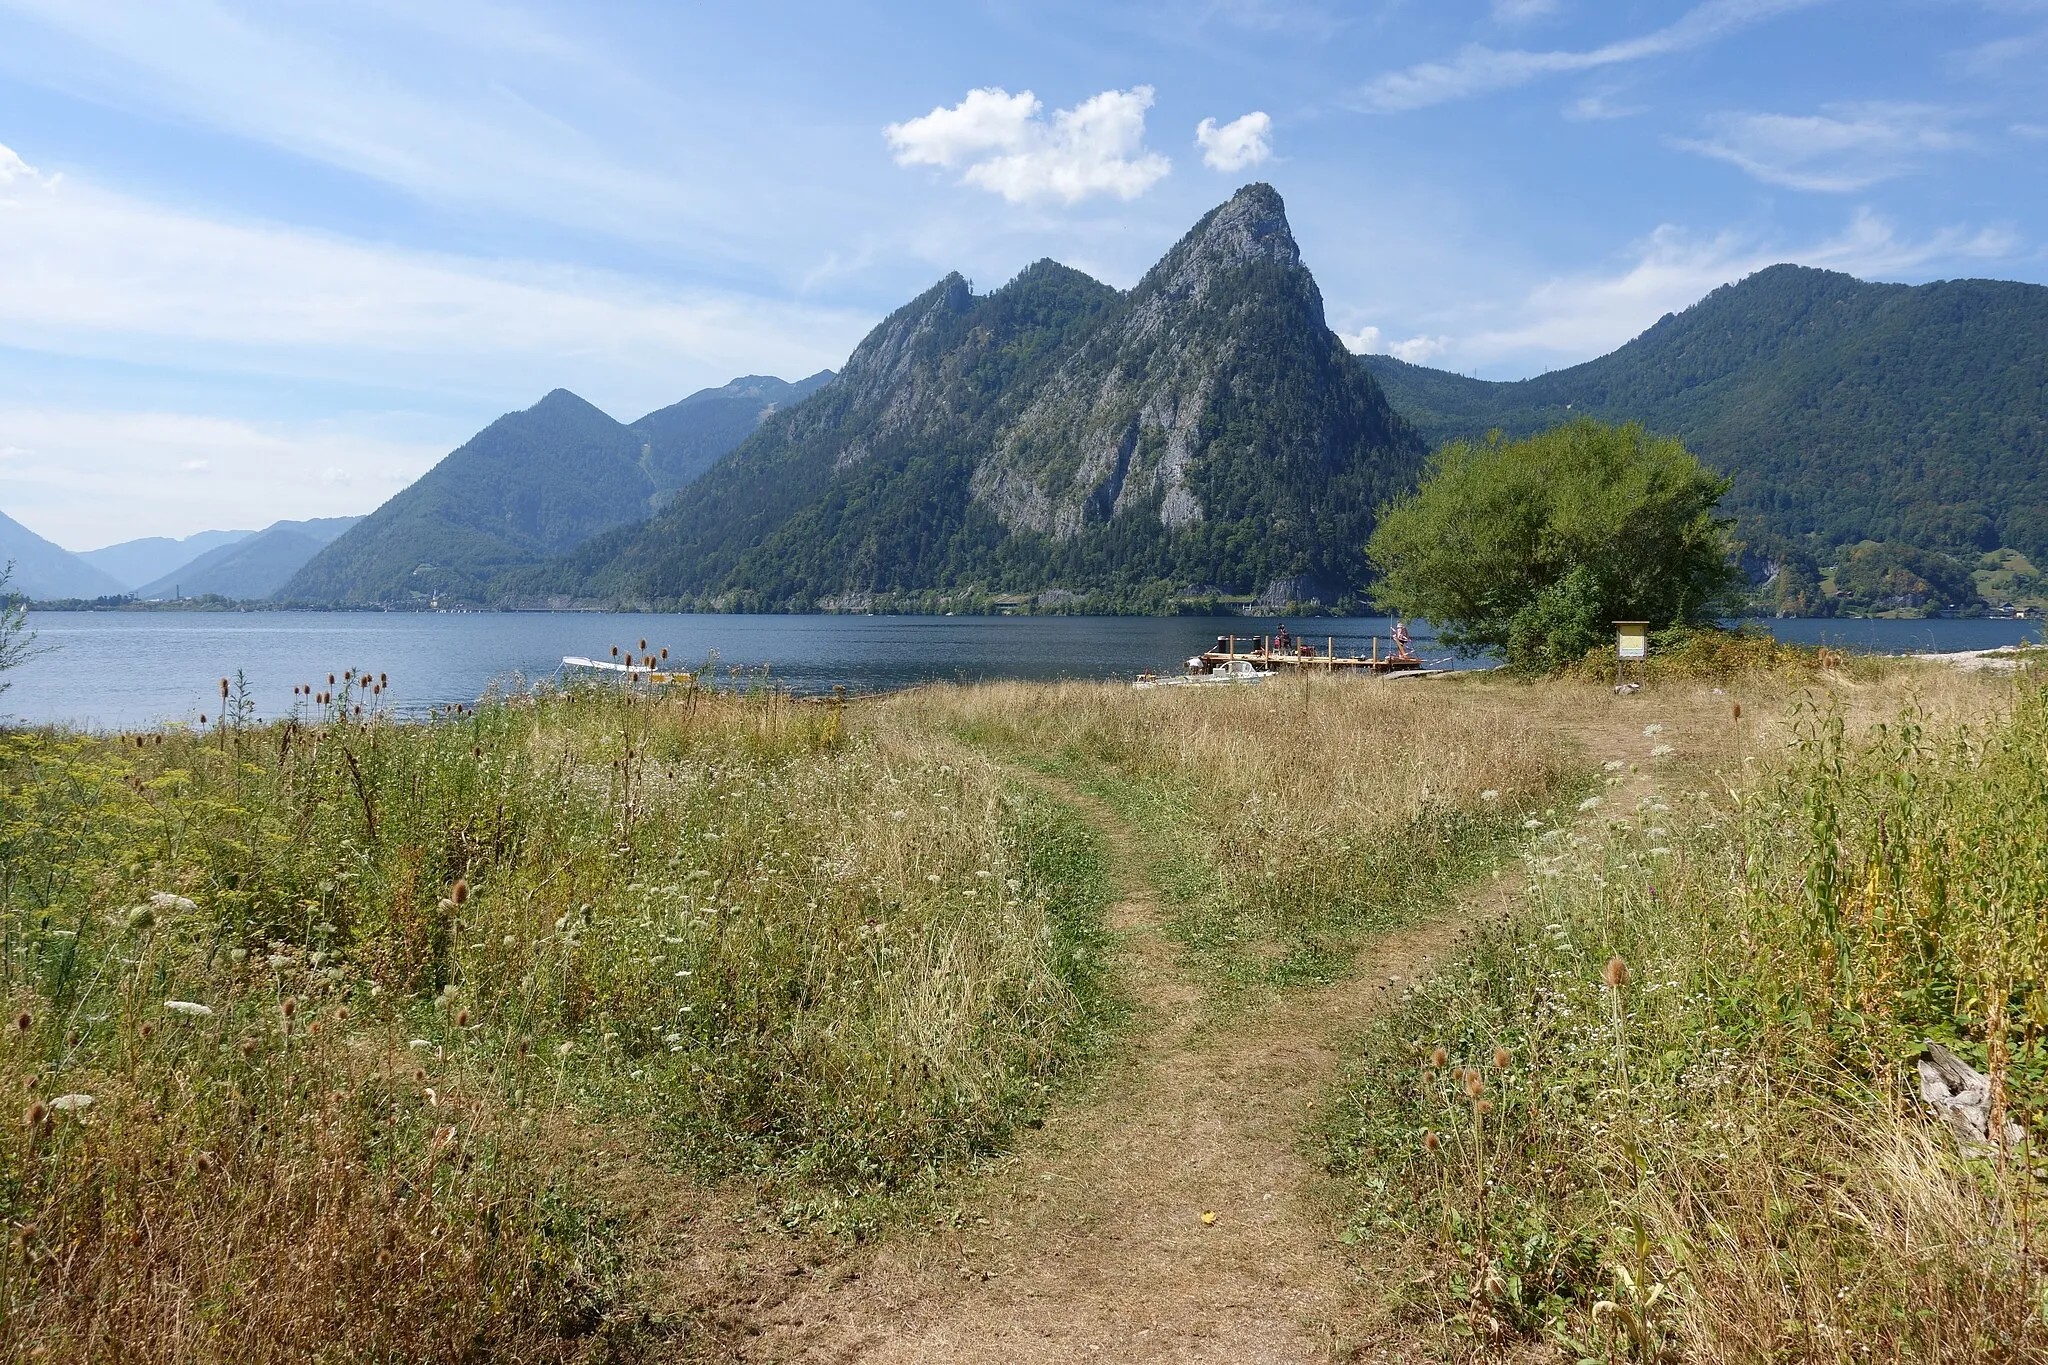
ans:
(273, 259)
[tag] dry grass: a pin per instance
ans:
(1721, 1158)
(351, 998)
(1294, 818)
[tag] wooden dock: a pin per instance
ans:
(1286, 651)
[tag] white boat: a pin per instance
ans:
(633, 672)
(1200, 675)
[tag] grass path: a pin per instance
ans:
(1089, 1243)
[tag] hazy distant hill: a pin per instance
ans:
(254, 566)
(1203, 432)
(43, 569)
(530, 486)
(135, 562)
(1845, 411)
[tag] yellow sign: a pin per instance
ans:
(1632, 639)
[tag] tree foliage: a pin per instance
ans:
(1536, 547)
(17, 641)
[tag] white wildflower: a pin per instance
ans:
(1489, 795)
(68, 1104)
(164, 900)
(1662, 751)
(1590, 803)
(193, 1008)
(1532, 823)
(1613, 765)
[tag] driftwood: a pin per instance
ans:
(1961, 1095)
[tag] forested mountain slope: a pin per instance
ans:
(531, 486)
(1203, 432)
(1845, 411)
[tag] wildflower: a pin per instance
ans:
(1490, 794)
(1532, 823)
(565, 1049)
(164, 900)
(1662, 751)
(71, 1104)
(238, 955)
(189, 1007)
(1612, 765)
(1590, 803)
(1615, 974)
(419, 1044)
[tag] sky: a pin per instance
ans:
(272, 260)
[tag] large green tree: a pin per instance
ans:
(1536, 547)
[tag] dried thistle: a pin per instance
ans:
(1501, 1058)
(1615, 974)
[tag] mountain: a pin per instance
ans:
(1203, 433)
(1845, 412)
(135, 562)
(531, 486)
(44, 570)
(254, 566)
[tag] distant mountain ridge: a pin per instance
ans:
(531, 486)
(45, 570)
(252, 567)
(133, 563)
(1203, 433)
(1845, 411)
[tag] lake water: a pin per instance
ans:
(121, 670)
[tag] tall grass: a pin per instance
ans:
(1722, 1156)
(348, 997)
(1290, 820)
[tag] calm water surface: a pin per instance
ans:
(116, 670)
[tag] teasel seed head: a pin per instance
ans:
(462, 1018)
(36, 1114)
(1430, 1142)
(23, 1022)
(1439, 1057)
(1501, 1058)
(289, 1006)
(1473, 1084)
(1615, 974)
(460, 893)
(1482, 1106)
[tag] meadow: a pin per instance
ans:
(317, 1026)
(1667, 1108)
(336, 1038)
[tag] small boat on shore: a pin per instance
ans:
(1226, 674)
(635, 668)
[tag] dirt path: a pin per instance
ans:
(1090, 1243)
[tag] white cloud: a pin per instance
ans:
(1522, 11)
(93, 478)
(13, 168)
(1479, 70)
(1600, 106)
(1849, 147)
(2033, 132)
(1415, 350)
(999, 142)
(94, 273)
(1237, 144)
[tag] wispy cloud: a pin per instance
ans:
(999, 142)
(459, 105)
(1235, 145)
(1849, 147)
(95, 273)
(1479, 70)
(1522, 11)
(1574, 317)
(93, 478)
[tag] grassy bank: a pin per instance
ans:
(1667, 1109)
(1291, 821)
(313, 1024)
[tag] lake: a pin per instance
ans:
(126, 670)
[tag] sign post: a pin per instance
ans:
(1631, 641)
